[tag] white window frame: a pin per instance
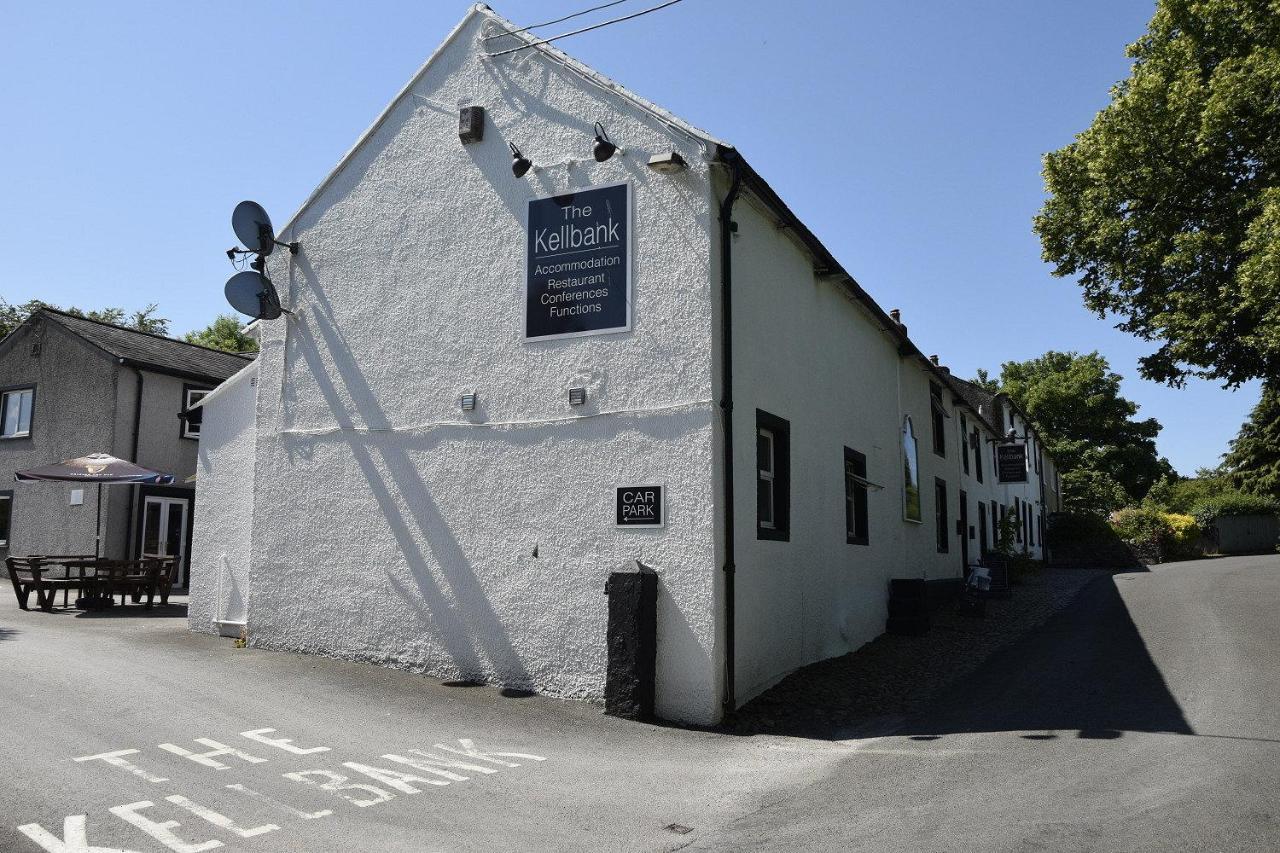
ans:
(768, 475)
(187, 403)
(30, 393)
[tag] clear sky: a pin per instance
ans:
(907, 135)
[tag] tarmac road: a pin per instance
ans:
(1146, 716)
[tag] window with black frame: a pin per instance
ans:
(773, 477)
(856, 488)
(16, 406)
(940, 515)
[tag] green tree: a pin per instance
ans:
(1253, 462)
(12, 316)
(1168, 205)
(1106, 456)
(224, 334)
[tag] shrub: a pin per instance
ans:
(1232, 503)
(1139, 524)
(1157, 536)
(1184, 539)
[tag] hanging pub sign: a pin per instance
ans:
(1011, 463)
(578, 264)
(640, 506)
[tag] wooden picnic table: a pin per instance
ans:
(96, 578)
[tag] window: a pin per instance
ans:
(190, 396)
(964, 434)
(939, 413)
(15, 412)
(940, 515)
(1017, 517)
(773, 477)
(6, 516)
(856, 530)
(910, 473)
(975, 440)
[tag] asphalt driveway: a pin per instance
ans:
(1146, 716)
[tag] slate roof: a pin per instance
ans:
(978, 398)
(142, 349)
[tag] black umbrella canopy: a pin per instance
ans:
(95, 468)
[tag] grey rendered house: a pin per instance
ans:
(71, 386)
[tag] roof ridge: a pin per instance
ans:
(51, 310)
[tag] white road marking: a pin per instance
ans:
(395, 778)
(220, 820)
(429, 763)
(470, 751)
(338, 783)
(281, 743)
(206, 758)
(271, 801)
(73, 838)
(115, 760)
(161, 832)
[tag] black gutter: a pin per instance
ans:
(182, 374)
(137, 434)
(727, 227)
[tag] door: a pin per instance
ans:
(964, 532)
(164, 531)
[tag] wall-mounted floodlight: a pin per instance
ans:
(467, 402)
(603, 148)
(520, 164)
(668, 163)
(577, 396)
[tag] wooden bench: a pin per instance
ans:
(32, 574)
(136, 578)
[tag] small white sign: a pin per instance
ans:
(77, 497)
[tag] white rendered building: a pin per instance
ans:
(656, 319)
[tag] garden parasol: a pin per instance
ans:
(100, 468)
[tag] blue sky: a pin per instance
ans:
(907, 135)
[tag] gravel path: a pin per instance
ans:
(866, 692)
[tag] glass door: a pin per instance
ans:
(164, 531)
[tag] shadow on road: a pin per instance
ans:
(136, 611)
(1086, 674)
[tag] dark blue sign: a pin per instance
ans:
(578, 273)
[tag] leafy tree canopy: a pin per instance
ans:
(1168, 206)
(224, 334)
(1106, 456)
(1253, 462)
(12, 316)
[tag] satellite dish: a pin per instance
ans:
(253, 227)
(253, 294)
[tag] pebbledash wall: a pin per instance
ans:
(380, 522)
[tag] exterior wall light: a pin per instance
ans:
(603, 148)
(577, 396)
(520, 164)
(668, 163)
(467, 402)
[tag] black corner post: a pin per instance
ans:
(633, 643)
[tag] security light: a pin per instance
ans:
(603, 148)
(577, 396)
(520, 164)
(668, 163)
(467, 402)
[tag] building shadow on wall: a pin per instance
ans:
(445, 582)
(1087, 673)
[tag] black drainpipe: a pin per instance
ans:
(727, 227)
(133, 491)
